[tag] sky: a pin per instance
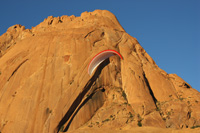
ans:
(169, 30)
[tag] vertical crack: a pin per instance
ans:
(150, 90)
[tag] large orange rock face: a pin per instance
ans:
(45, 87)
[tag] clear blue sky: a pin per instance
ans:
(169, 30)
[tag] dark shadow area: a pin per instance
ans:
(150, 90)
(77, 101)
(82, 104)
(186, 85)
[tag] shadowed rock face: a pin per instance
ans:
(45, 86)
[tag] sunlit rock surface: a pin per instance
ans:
(45, 87)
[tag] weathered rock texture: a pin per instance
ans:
(44, 85)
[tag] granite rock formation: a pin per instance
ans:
(45, 87)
